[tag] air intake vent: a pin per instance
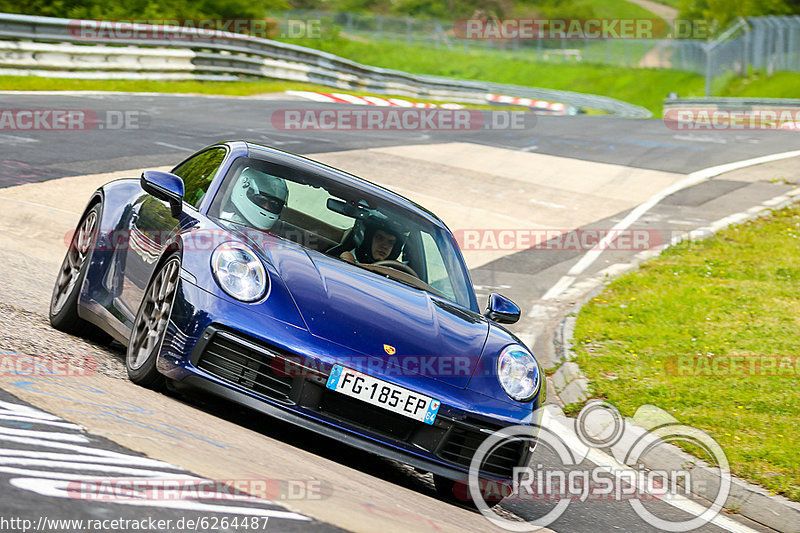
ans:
(245, 364)
(464, 440)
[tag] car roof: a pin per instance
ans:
(340, 177)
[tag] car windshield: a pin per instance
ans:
(346, 223)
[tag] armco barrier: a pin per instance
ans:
(732, 113)
(731, 102)
(49, 46)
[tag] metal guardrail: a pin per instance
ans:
(733, 102)
(43, 45)
(732, 113)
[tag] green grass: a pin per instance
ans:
(672, 3)
(734, 294)
(645, 87)
(620, 9)
(779, 85)
(599, 9)
(35, 83)
(225, 88)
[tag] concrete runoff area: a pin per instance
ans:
(476, 187)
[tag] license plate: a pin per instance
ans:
(383, 394)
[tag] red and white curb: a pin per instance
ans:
(556, 108)
(340, 98)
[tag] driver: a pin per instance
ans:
(379, 244)
(257, 199)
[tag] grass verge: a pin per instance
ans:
(758, 84)
(228, 88)
(646, 87)
(621, 9)
(654, 336)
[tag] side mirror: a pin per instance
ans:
(164, 186)
(501, 309)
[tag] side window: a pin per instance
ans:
(438, 277)
(198, 172)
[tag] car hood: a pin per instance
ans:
(396, 327)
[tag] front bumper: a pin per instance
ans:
(253, 362)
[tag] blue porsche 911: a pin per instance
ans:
(308, 294)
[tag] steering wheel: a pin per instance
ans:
(397, 265)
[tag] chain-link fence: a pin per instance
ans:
(769, 43)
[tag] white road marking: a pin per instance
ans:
(30, 420)
(547, 204)
(66, 437)
(127, 459)
(24, 410)
(89, 467)
(24, 463)
(540, 311)
(174, 146)
(602, 459)
(51, 208)
(692, 179)
(15, 139)
(777, 200)
(46, 475)
(700, 138)
(560, 286)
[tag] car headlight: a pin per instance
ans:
(239, 271)
(518, 373)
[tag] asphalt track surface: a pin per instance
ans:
(169, 128)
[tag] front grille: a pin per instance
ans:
(245, 364)
(464, 440)
(368, 416)
(278, 375)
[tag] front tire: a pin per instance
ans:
(151, 324)
(64, 300)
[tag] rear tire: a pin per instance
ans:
(151, 324)
(64, 300)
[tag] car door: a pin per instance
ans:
(152, 226)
